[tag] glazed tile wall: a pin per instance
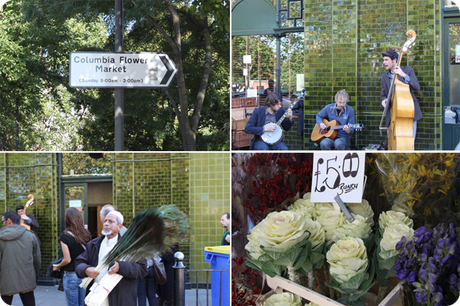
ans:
(143, 180)
(33, 173)
(344, 42)
(209, 198)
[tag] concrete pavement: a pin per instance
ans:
(50, 296)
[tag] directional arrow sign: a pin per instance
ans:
(121, 70)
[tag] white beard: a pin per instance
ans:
(106, 233)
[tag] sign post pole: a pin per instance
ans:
(119, 103)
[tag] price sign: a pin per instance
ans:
(338, 174)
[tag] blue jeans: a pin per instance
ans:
(74, 295)
(342, 143)
(262, 146)
(146, 289)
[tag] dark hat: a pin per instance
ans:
(391, 53)
(19, 207)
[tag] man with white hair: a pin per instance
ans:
(104, 211)
(125, 292)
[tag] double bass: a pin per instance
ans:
(401, 106)
(30, 202)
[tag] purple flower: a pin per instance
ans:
(411, 277)
(422, 274)
(445, 259)
(453, 279)
(438, 297)
(441, 242)
(421, 297)
(400, 244)
(433, 288)
(433, 278)
(420, 231)
(401, 275)
(423, 257)
(428, 236)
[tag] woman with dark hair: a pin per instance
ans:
(73, 243)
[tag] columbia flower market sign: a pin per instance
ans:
(339, 174)
(121, 70)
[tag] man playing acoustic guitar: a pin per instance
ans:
(272, 112)
(344, 115)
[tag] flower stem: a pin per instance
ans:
(381, 294)
(321, 286)
(311, 280)
(293, 275)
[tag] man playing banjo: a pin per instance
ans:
(270, 113)
(344, 115)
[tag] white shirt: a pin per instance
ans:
(106, 246)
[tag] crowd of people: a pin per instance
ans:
(21, 261)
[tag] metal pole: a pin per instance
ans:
(17, 125)
(278, 49)
(179, 280)
(119, 103)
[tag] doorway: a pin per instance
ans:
(87, 194)
(451, 84)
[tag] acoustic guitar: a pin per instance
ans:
(331, 130)
(30, 202)
(277, 135)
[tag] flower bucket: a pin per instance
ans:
(279, 283)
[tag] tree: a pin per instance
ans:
(196, 30)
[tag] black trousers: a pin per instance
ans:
(28, 298)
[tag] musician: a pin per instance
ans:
(344, 115)
(271, 87)
(405, 74)
(271, 112)
(29, 220)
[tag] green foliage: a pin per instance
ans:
(36, 39)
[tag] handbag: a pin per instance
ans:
(54, 274)
(160, 273)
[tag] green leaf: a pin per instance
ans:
(307, 265)
(303, 256)
(289, 259)
(271, 269)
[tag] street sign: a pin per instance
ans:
(121, 70)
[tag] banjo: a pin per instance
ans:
(277, 135)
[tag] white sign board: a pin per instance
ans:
(74, 203)
(120, 70)
(300, 84)
(340, 174)
(245, 72)
(246, 59)
(251, 93)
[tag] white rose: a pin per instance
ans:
(281, 230)
(253, 246)
(330, 220)
(304, 208)
(317, 235)
(283, 299)
(359, 228)
(347, 258)
(391, 236)
(392, 217)
(363, 209)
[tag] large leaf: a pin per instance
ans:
(288, 259)
(271, 269)
(303, 256)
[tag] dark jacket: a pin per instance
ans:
(125, 292)
(33, 225)
(20, 260)
(413, 85)
(256, 123)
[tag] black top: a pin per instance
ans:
(75, 250)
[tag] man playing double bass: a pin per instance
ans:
(406, 75)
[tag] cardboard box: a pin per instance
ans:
(240, 124)
(238, 114)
